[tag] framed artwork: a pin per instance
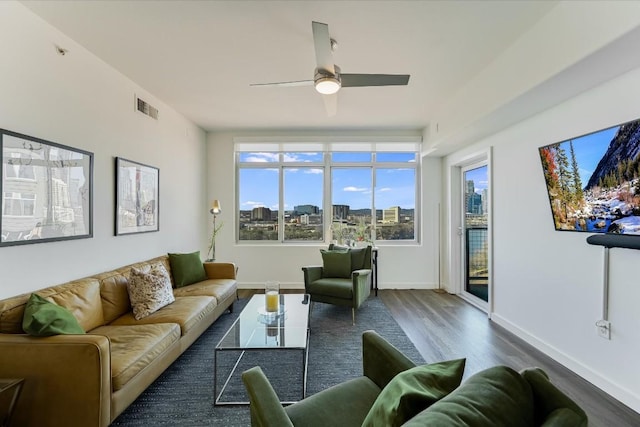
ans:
(593, 180)
(137, 191)
(47, 191)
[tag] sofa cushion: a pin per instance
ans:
(336, 264)
(81, 298)
(413, 390)
(149, 292)
(133, 347)
(221, 289)
(345, 404)
(44, 318)
(497, 397)
(114, 294)
(185, 311)
(187, 268)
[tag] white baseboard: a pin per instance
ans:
(260, 285)
(293, 285)
(620, 393)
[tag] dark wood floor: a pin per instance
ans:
(443, 326)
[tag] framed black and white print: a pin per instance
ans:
(47, 191)
(137, 191)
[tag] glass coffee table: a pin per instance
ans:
(257, 330)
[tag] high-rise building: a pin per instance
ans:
(471, 188)
(485, 201)
(340, 211)
(261, 214)
(391, 215)
(306, 209)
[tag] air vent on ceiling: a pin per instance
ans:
(146, 109)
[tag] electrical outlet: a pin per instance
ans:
(604, 329)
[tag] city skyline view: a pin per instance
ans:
(361, 181)
(351, 185)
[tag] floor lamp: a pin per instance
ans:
(215, 210)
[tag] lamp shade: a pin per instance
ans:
(215, 207)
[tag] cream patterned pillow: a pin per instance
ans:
(150, 291)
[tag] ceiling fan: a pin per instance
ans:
(328, 78)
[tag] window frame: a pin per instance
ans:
(327, 165)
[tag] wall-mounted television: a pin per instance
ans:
(593, 181)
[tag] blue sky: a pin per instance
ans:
(479, 178)
(350, 185)
(589, 149)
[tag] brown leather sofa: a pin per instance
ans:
(88, 380)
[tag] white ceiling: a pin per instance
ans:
(199, 57)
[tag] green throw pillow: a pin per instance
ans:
(187, 269)
(412, 391)
(336, 264)
(358, 257)
(43, 318)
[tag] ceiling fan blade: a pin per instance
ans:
(331, 104)
(355, 80)
(293, 83)
(322, 44)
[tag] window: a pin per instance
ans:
(19, 204)
(259, 202)
(19, 166)
(368, 194)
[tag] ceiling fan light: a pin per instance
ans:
(327, 85)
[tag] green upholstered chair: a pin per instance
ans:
(345, 404)
(343, 279)
(496, 397)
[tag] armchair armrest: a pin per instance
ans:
(381, 361)
(66, 377)
(361, 286)
(266, 409)
(311, 274)
(552, 406)
(220, 270)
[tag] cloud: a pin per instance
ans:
(354, 189)
(384, 189)
(314, 171)
(261, 157)
(288, 157)
(252, 203)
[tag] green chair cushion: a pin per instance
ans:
(358, 257)
(497, 397)
(187, 269)
(412, 391)
(332, 287)
(336, 264)
(344, 405)
(43, 318)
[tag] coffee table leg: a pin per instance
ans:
(217, 396)
(305, 363)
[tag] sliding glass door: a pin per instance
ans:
(475, 236)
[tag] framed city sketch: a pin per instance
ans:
(47, 191)
(137, 190)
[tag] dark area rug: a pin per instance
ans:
(183, 395)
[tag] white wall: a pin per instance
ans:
(548, 284)
(403, 266)
(79, 101)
